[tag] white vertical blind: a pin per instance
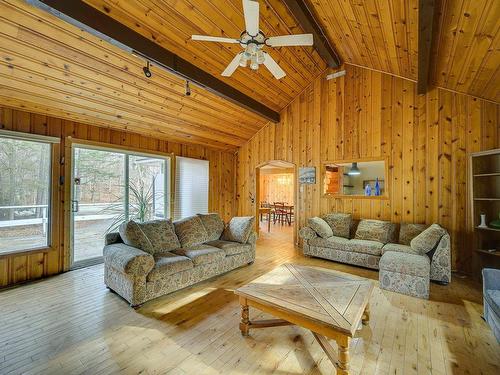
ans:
(191, 187)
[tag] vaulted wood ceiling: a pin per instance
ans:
(467, 47)
(379, 34)
(51, 67)
(171, 24)
(383, 35)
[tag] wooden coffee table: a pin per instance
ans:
(330, 304)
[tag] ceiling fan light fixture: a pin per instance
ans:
(252, 40)
(260, 57)
(243, 60)
(251, 49)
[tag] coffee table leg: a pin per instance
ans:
(245, 321)
(343, 367)
(366, 315)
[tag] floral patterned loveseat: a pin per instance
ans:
(147, 260)
(338, 237)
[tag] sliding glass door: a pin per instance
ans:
(108, 188)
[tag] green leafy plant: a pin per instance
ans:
(140, 209)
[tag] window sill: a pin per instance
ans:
(343, 196)
(37, 250)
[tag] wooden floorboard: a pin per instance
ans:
(71, 324)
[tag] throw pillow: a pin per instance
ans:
(375, 230)
(190, 231)
(340, 224)
(132, 235)
(239, 229)
(320, 226)
(161, 235)
(409, 231)
(428, 239)
(213, 225)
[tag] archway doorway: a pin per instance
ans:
(276, 182)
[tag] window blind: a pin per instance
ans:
(191, 187)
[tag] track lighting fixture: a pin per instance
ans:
(146, 70)
(188, 89)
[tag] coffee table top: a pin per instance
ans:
(328, 297)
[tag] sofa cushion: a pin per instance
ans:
(398, 248)
(133, 235)
(340, 223)
(213, 225)
(153, 237)
(161, 235)
(408, 264)
(337, 243)
(190, 231)
(493, 299)
(320, 226)
(229, 247)
(167, 264)
(238, 229)
(428, 239)
(375, 230)
(201, 254)
(365, 247)
(408, 231)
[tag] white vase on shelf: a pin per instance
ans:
(483, 221)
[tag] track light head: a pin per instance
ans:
(146, 70)
(188, 89)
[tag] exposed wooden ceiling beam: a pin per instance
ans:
(308, 22)
(426, 12)
(92, 20)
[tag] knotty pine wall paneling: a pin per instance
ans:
(21, 267)
(426, 139)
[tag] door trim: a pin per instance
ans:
(69, 145)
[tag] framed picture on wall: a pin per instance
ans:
(307, 175)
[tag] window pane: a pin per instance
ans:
(148, 197)
(24, 194)
(191, 187)
(98, 199)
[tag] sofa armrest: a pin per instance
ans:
(112, 238)
(128, 259)
(441, 260)
(491, 279)
(307, 233)
(252, 239)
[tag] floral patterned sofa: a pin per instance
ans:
(338, 237)
(147, 260)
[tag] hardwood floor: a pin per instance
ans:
(71, 324)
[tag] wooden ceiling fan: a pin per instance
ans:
(253, 40)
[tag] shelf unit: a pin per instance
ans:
(484, 188)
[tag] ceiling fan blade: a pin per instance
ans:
(273, 66)
(233, 65)
(251, 12)
(290, 40)
(219, 39)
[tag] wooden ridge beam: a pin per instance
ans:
(309, 24)
(97, 23)
(426, 14)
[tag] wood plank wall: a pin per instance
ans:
(22, 267)
(370, 114)
(272, 188)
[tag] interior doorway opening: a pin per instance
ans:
(276, 199)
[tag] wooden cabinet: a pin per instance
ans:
(485, 200)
